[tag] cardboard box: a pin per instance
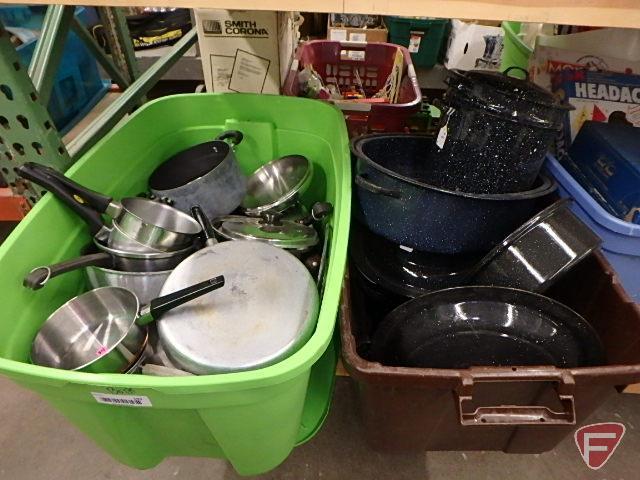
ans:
(598, 96)
(351, 34)
(474, 47)
(246, 51)
(546, 62)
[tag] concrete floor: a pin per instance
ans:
(37, 443)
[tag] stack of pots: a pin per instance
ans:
(495, 132)
(429, 208)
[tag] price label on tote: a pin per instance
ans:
(122, 400)
(414, 42)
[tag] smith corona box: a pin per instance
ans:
(246, 51)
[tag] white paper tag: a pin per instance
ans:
(406, 249)
(358, 37)
(249, 72)
(122, 400)
(355, 55)
(221, 67)
(338, 35)
(442, 134)
(442, 137)
(414, 42)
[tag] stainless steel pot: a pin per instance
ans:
(103, 330)
(268, 310)
(207, 174)
(97, 268)
(139, 224)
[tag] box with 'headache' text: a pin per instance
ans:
(246, 51)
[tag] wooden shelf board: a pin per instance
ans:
(614, 13)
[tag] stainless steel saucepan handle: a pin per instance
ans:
(39, 276)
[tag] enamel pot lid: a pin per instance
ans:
(267, 309)
(268, 229)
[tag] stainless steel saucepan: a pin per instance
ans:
(138, 224)
(104, 330)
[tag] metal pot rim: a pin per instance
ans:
(141, 255)
(553, 103)
(140, 357)
(129, 274)
(111, 347)
(174, 211)
(548, 184)
(512, 291)
(474, 104)
(197, 179)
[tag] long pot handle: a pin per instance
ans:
(66, 190)
(205, 223)
(368, 185)
(470, 414)
(39, 276)
(160, 305)
(98, 201)
(235, 136)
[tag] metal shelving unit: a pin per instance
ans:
(27, 132)
(611, 13)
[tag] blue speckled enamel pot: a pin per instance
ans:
(397, 200)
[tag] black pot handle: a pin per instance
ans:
(321, 210)
(39, 276)
(160, 305)
(73, 195)
(205, 223)
(234, 135)
(513, 67)
(96, 200)
(368, 185)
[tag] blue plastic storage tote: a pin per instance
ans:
(620, 239)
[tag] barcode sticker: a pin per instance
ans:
(357, 37)
(122, 400)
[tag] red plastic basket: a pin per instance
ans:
(338, 62)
